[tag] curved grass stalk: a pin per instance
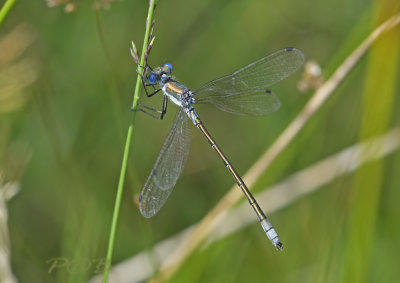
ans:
(127, 145)
(369, 185)
(5, 10)
(308, 180)
(202, 230)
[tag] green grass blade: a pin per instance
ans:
(126, 149)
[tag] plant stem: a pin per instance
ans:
(127, 146)
(5, 10)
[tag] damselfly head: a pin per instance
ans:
(159, 73)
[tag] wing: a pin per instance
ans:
(245, 91)
(168, 167)
(248, 104)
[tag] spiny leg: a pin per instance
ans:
(145, 109)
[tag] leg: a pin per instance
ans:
(146, 109)
(146, 112)
(147, 66)
(153, 93)
(145, 85)
(142, 107)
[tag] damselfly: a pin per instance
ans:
(244, 93)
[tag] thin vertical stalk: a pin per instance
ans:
(5, 10)
(127, 145)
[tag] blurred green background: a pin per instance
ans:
(67, 82)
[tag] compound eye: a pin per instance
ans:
(152, 78)
(169, 66)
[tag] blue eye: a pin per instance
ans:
(152, 78)
(168, 65)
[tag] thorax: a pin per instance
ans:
(176, 92)
(181, 96)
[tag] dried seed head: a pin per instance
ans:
(53, 3)
(152, 42)
(134, 53)
(103, 4)
(152, 27)
(312, 77)
(69, 8)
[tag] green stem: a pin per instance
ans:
(5, 10)
(127, 146)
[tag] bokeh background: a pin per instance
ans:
(67, 81)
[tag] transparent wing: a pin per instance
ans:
(168, 167)
(245, 91)
(249, 104)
